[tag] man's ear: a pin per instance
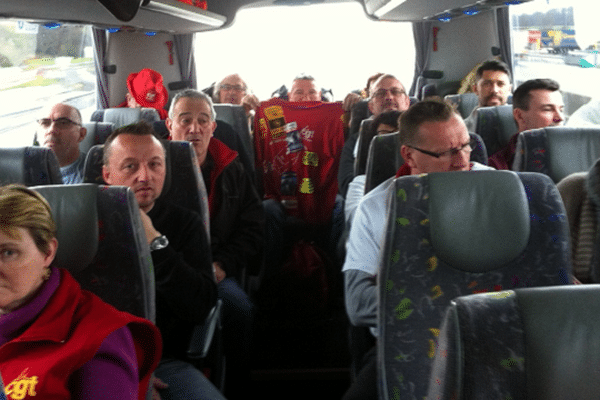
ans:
(406, 153)
(105, 174)
(82, 133)
(169, 124)
(474, 89)
(370, 104)
(519, 118)
(214, 127)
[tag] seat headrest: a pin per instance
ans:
(571, 149)
(496, 125)
(74, 208)
(478, 220)
(29, 166)
(97, 133)
(125, 116)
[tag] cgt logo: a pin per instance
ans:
(22, 386)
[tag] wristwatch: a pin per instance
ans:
(159, 243)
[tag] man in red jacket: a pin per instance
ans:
(236, 223)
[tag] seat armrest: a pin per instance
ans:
(204, 333)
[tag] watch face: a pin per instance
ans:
(159, 243)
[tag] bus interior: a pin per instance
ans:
(81, 51)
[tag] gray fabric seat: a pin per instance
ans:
(97, 133)
(102, 243)
(235, 115)
(557, 151)
(536, 343)
(457, 233)
(124, 116)
(29, 166)
(464, 103)
(496, 125)
(384, 158)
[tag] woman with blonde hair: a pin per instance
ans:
(58, 341)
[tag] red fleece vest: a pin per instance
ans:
(298, 147)
(67, 334)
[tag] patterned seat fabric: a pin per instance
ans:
(557, 151)
(97, 133)
(29, 166)
(496, 125)
(464, 103)
(125, 116)
(102, 243)
(384, 158)
(509, 230)
(518, 344)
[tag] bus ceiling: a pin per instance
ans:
(187, 16)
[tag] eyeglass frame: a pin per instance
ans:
(62, 120)
(452, 152)
(381, 93)
(235, 88)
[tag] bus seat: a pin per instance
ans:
(537, 343)
(365, 135)
(496, 125)
(235, 115)
(464, 103)
(385, 147)
(557, 151)
(125, 116)
(456, 233)
(97, 133)
(29, 166)
(360, 111)
(102, 243)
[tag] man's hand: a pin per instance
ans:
(219, 273)
(151, 233)
(350, 100)
(157, 384)
(250, 103)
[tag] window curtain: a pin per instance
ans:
(99, 46)
(422, 36)
(503, 23)
(185, 54)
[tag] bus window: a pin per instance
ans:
(557, 39)
(335, 43)
(41, 65)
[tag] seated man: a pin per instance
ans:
(185, 285)
(236, 223)
(387, 94)
(297, 155)
(492, 86)
(537, 103)
(233, 90)
(146, 89)
(433, 138)
(60, 129)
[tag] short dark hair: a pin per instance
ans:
(431, 110)
(522, 95)
(390, 118)
(492, 65)
(140, 128)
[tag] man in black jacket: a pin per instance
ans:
(185, 284)
(236, 223)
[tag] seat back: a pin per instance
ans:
(103, 245)
(183, 186)
(124, 116)
(365, 135)
(384, 158)
(29, 166)
(456, 233)
(496, 125)
(465, 103)
(235, 115)
(557, 151)
(518, 344)
(97, 133)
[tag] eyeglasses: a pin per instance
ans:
(60, 123)
(235, 88)
(381, 93)
(467, 147)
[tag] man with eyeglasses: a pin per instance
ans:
(233, 90)
(433, 138)
(387, 94)
(60, 130)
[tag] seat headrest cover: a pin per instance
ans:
(12, 165)
(74, 208)
(571, 150)
(479, 219)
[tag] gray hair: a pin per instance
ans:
(192, 94)
(216, 94)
